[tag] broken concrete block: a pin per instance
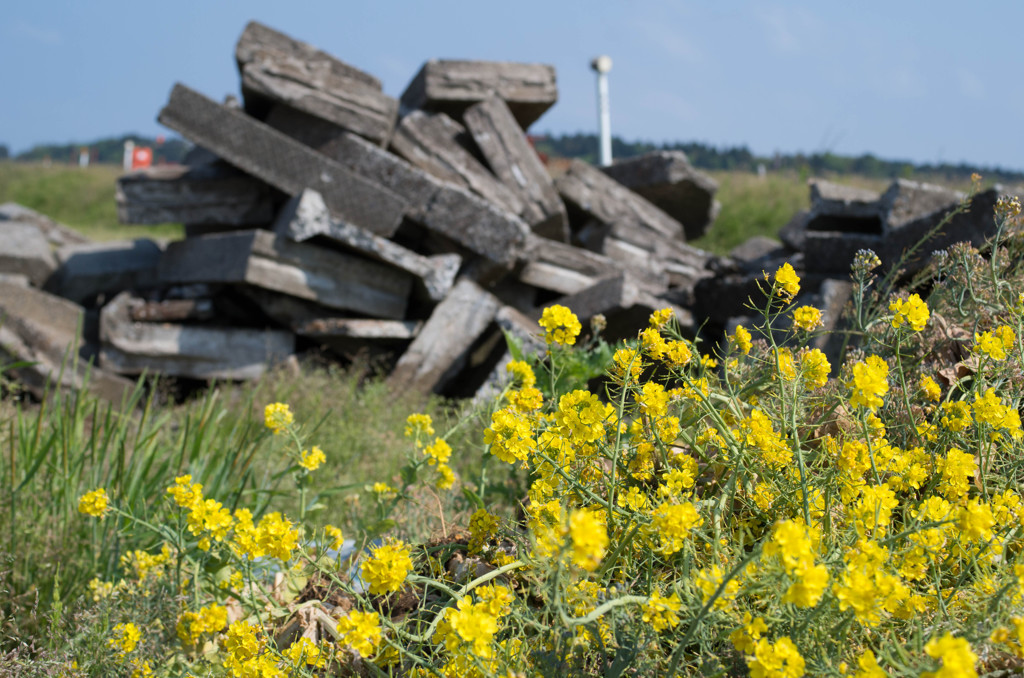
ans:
(209, 194)
(173, 310)
(912, 237)
(441, 207)
(528, 335)
(346, 103)
(588, 191)
(43, 332)
(430, 141)
(87, 271)
(907, 201)
(514, 161)
(260, 42)
(832, 252)
(832, 298)
(25, 251)
(562, 268)
(306, 216)
(259, 258)
(360, 328)
(352, 336)
(623, 303)
(668, 181)
(793, 233)
(829, 198)
(656, 258)
(443, 344)
(836, 209)
(192, 351)
(56, 234)
(899, 225)
(756, 253)
(452, 86)
(280, 161)
(197, 230)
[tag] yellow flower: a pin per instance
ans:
(976, 520)
(186, 493)
(671, 525)
(305, 652)
(522, 372)
(956, 415)
(653, 343)
(383, 490)
(661, 612)
(95, 503)
(815, 368)
(473, 625)
(741, 337)
(807, 318)
(628, 359)
(709, 579)
(868, 667)
(126, 638)
(312, 459)
(785, 364)
(745, 638)
(276, 536)
(482, 526)
(808, 589)
(439, 452)
(510, 436)
(660, 317)
(869, 383)
(335, 535)
(931, 389)
(913, 312)
(787, 282)
(560, 324)
(995, 344)
(956, 656)
(445, 477)
(192, 625)
(589, 538)
(361, 631)
(387, 568)
(780, 659)
(277, 417)
(417, 425)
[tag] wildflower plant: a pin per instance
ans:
(758, 506)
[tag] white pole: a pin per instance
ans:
(129, 151)
(601, 66)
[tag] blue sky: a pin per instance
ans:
(924, 81)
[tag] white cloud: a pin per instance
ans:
(971, 86)
(671, 41)
(788, 29)
(37, 34)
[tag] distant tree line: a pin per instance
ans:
(740, 158)
(584, 146)
(107, 151)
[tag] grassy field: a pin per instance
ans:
(82, 198)
(648, 534)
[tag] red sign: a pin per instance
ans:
(142, 157)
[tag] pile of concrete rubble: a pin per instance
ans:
(322, 214)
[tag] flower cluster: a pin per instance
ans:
(561, 326)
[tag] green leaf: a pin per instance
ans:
(514, 343)
(473, 498)
(408, 474)
(380, 527)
